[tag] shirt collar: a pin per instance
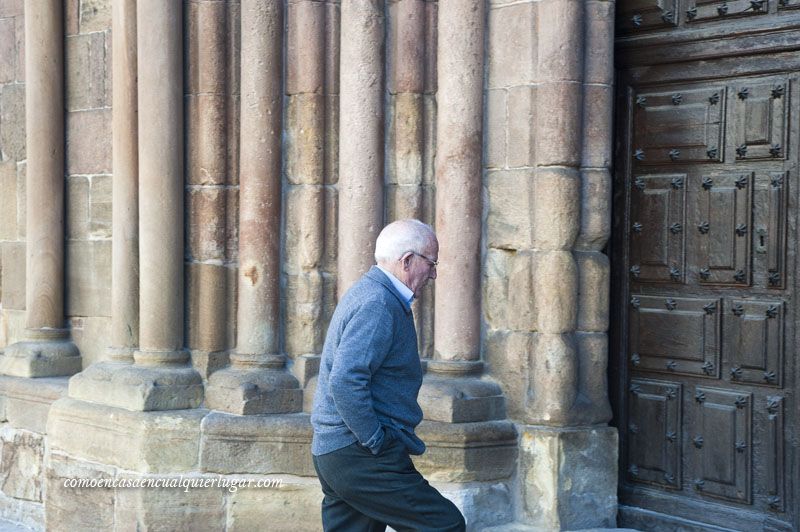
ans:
(404, 291)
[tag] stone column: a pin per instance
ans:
(360, 139)
(566, 439)
(125, 199)
(256, 382)
(49, 350)
(452, 390)
(160, 378)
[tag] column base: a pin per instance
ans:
(48, 353)
(254, 391)
(461, 399)
(568, 477)
(138, 388)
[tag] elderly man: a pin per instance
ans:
(365, 407)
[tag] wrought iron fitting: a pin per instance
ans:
(672, 436)
(636, 20)
(674, 273)
(699, 484)
(636, 271)
(770, 376)
(714, 98)
(669, 477)
(775, 150)
(637, 227)
(640, 183)
(635, 302)
(736, 373)
(703, 227)
(636, 359)
(741, 229)
(772, 311)
(633, 428)
(641, 101)
(677, 183)
(708, 367)
(742, 181)
(774, 278)
(691, 13)
(772, 404)
(670, 303)
(705, 273)
(700, 397)
(744, 92)
(737, 309)
(740, 401)
(676, 98)
(756, 5)
(638, 154)
(712, 153)
(708, 182)
(635, 389)
(710, 308)
(740, 446)
(776, 181)
(739, 276)
(774, 501)
(670, 394)
(676, 228)
(671, 365)
(668, 17)
(778, 91)
(698, 442)
(633, 470)
(741, 150)
(674, 154)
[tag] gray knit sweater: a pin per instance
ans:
(370, 373)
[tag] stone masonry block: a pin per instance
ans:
(8, 201)
(92, 335)
(13, 275)
(12, 122)
(72, 17)
(594, 274)
(594, 406)
(206, 139)
(201, 508)
(331, 155)
(12, 325)
(305, 137)
(599, 46)
(568, 477)
(78, 188)
(234, 45)
(8, 50)
(557, 208)
(521, 121)
(598, 105)
(95, 15)
(88, 274)
(403, 201)
(303, 304)
(429, 140)
(431, 46)
(405, 142)
(595, 210)
(333, 23)
(87, 86)
(232, 225)
(512, 53)
(206, 222)
(207, 311)
(66, 505)
(495, 128)
(28, 401)
(508, 290)
(22, 453)
(234, 134)
(558, 123)
(555, 289)
(292, 506)
(507, 355)
(304, 237)
(509, 210)
(100, 207)
(406, 46)
(89, 142)
(11, 8)
(210, 60)
(19, 30)
(554, 380)
(560, 40)
(22, 207)
(305, 65)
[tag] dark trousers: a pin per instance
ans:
(366, 492)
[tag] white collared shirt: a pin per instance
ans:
(405, 291)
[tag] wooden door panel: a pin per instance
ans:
(680, 126)
(769, 229)
(700, 10)
(722, 441)
(761, 117)
(774, 454)
(723, 227)
(647, 14)
(655, 428)
(753, 335)
(675, 335)
(658, 238)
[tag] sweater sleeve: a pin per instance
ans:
(363, 346)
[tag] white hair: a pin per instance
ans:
(400, 237)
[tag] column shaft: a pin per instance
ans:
(44, 123)
(458, 180)
(361, 138)
(160, 70)
(125, 194)
(259, 184)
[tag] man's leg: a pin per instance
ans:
(338, 516)
(388, 488)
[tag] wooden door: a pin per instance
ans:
(705, 307)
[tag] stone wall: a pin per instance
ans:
(307, 127)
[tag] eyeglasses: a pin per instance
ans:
(432, 263)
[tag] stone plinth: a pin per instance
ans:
(460, 399)
(568, 477)
(27, 402)
(47, 353)
(140, 388)
(254, 391)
